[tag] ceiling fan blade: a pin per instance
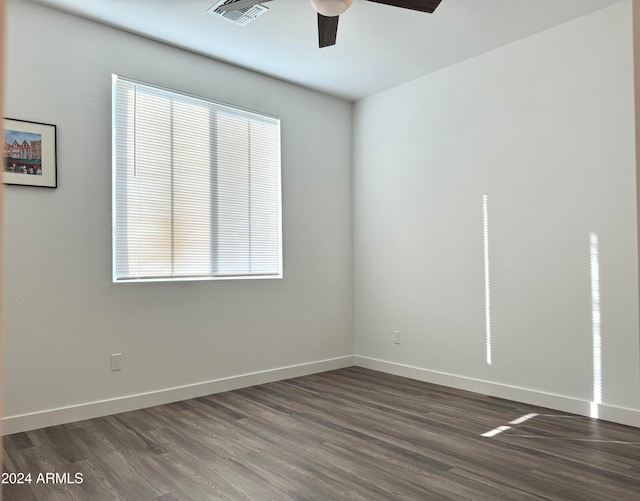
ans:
(421, 5)
(327, 30)
(239, 4)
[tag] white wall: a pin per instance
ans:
(545, 128)
(63, 316)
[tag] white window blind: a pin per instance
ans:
(196, 188)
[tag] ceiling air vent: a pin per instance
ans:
(242, 16)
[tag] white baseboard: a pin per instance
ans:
(621, 415)
(90, 410)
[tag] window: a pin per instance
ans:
(196, 188)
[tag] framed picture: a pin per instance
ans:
(29, 154)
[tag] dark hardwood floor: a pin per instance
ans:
(346, 434)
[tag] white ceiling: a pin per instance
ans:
(378, 46)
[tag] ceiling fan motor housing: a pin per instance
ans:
(331, 8)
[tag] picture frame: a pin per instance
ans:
(29, 157)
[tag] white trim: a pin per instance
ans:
(621, 415)
(90, 410)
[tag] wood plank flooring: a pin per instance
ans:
(350, 434)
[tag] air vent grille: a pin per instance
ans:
(240, 17)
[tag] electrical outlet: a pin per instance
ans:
(116, 361)
(396, 337)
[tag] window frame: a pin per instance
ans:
(232, 109)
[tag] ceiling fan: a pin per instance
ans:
(329, 11)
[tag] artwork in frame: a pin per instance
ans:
(29, 153)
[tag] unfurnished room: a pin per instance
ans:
(320, 250)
